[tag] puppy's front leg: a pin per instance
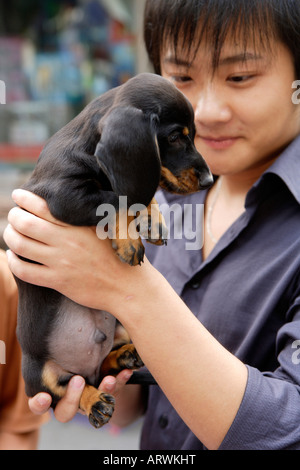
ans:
(152, 225)
(126, 240)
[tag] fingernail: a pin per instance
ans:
(127, 374)
(15, 194)
(109, 384)
(43, 400)
(77, 382)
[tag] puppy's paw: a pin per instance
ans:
(130, 251)
(102, 410)
(98, 406)
(152, 226)
(157, 233)
(128, 357)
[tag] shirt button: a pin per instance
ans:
(163, 421)
(195, 285)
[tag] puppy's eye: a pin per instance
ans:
(173, 137)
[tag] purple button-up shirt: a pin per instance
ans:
(247, 294)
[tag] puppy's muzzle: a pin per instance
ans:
(205, 178)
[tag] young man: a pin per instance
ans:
(218, 328)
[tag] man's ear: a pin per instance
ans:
(128, 153)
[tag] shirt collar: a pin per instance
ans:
(287, 168)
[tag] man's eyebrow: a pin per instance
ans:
(177, 61)
(243, 57)
(227, 60)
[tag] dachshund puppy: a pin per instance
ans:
(125, 143)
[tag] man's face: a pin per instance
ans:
(244, 113)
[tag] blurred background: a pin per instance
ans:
(55, 57)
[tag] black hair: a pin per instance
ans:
(191, 21)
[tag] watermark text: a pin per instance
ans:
(2, 92)
(296, 354)
(156, 221)
(296, 94)
(2, 353)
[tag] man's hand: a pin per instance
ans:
(68, 406)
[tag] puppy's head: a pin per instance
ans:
(147, 140)
(183, 169)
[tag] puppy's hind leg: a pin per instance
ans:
(96, 405)
(122, 356)
(55, 379)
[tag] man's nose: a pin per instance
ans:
(212, 108)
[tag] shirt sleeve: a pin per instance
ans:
(269, 415)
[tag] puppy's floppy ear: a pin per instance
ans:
(128, 153)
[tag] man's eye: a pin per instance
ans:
(180, 79)
(240, 78)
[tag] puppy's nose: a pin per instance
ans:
(205, 178)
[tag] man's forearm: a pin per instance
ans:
(14, 441)
(202, 380)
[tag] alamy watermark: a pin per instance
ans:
(2, 92)
(296, 354)
(296, 94)
(2, 353)
(180, 222)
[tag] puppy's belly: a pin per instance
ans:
(81, 338)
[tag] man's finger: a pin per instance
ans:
(68, 406)
(30, 225)
(40, 403)
(34, 204)
(112, 384)
(28, 272)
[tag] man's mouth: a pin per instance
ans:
(218, 143)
